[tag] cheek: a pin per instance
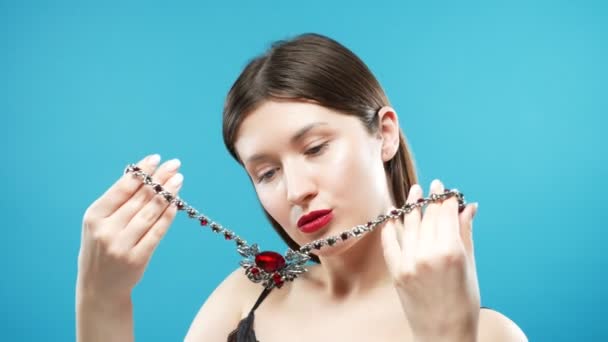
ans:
(348, 173)
(275, 205)
(268, 201)
(355, 179)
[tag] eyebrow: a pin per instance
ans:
(294, 139)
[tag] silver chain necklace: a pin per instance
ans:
(272, 269)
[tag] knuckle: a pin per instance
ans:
(144, 218)
(159, 201)
(136, 202)
(126, 189)
(405, 276)
(451, 259)
(169, 213)
(450, 203)
(88, 221)
(424, 266)
(133, 261)
(116, 254)
(148, 215)
(157, 233)
(101, 237)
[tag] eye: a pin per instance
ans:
(266, 176)
(316, 150)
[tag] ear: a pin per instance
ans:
(388, 131)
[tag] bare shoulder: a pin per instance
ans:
(223, 309)
(496, 327)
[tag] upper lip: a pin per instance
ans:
(312, 215)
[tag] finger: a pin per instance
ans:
(448, 224)
(428, 232)
(399, 229)
(122, 190)
(411, 224)
(146, 246)
(391, 249)
(141, 198)
(148, 215)
(466, 227)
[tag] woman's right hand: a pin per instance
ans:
(121, 230)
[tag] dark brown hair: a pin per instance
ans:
(316, 68)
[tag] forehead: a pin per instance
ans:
(275, 122)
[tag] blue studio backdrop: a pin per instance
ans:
(505, 100)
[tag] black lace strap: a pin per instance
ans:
(261, 298)
(244, 332)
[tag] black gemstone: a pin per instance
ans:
(180, 205)
(191, 212)
(344, 236)
(168, 197)
(158, 188)
(317, 245)
(331, 241)
(136, 168)
(215, 227)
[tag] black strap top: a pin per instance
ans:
(244, 331)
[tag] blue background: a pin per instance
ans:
(504, 100)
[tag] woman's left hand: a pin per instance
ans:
(432, 264)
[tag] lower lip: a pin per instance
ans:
(316, 224)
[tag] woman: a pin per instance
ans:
(317, 137)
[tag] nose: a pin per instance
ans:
(300, 186)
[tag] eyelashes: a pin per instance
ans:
(316, 149)
(266, 176)
(313, 151)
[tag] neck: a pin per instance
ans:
(357, 270)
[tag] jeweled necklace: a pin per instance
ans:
(271, 268)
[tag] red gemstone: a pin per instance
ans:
(227, 236)
(269, 261)
(277, 279)
(204, 222)
(420, 200)
(255, 271)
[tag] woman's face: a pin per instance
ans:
(302, 157)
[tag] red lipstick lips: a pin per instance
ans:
(314, 220)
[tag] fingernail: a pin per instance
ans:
(435, 183)
(153, 160)
(173, 164)
(177, 179)
(475, 205)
